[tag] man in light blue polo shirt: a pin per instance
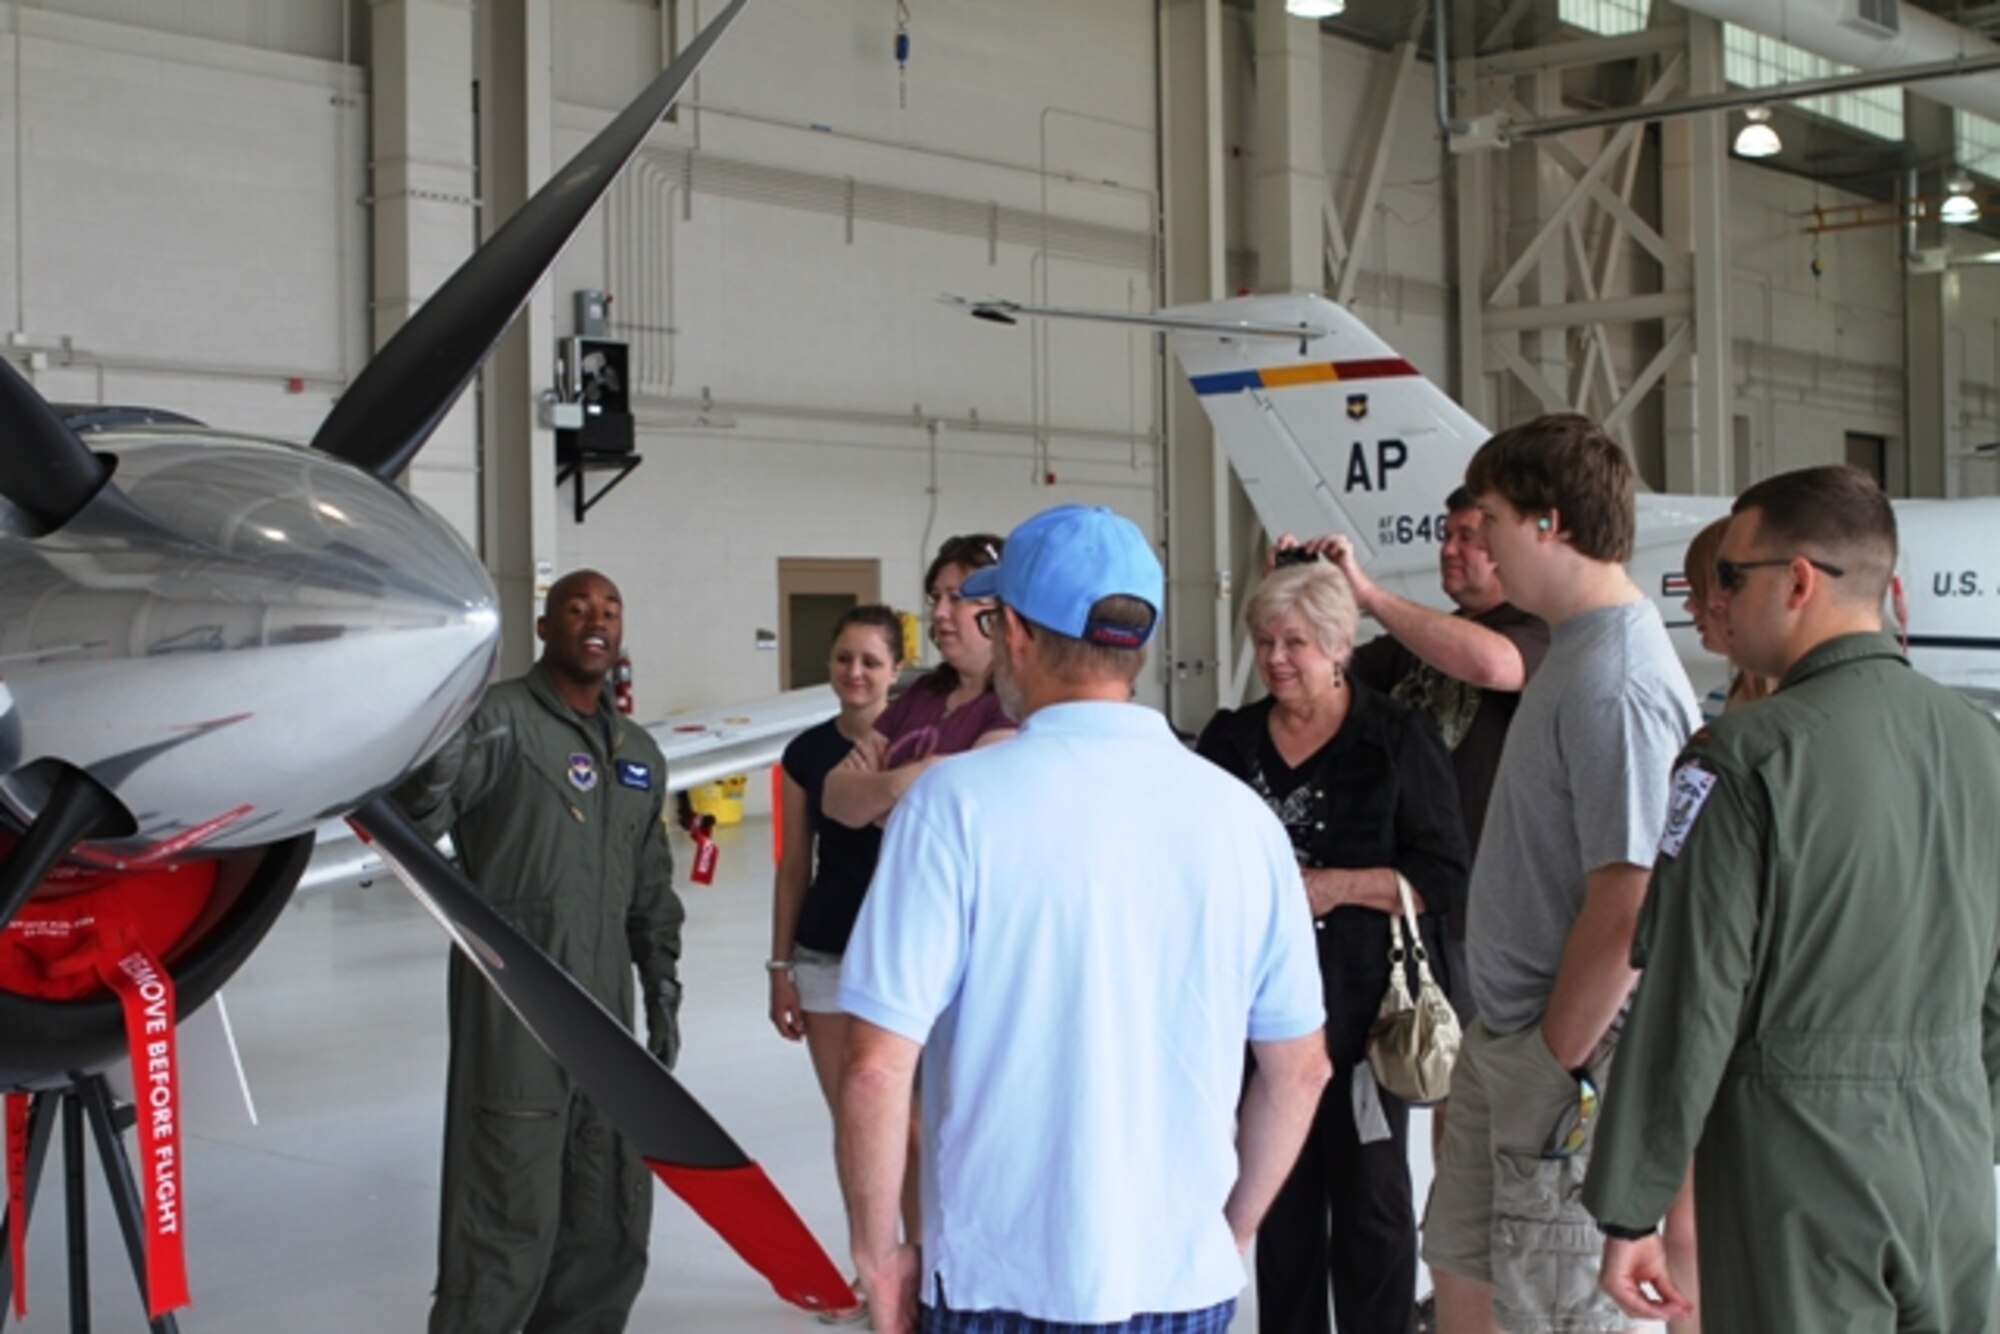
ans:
(1079, 929)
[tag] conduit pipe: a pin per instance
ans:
(1820, 27)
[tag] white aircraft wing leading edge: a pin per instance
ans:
(701, 745)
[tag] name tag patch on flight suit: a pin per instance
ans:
(1692, 784)
(631, 773)
(582, 771)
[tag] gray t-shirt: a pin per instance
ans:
(1582, 785)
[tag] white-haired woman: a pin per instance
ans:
(1364, 786)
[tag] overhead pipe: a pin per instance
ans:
(1819, 26)
(1739, 98)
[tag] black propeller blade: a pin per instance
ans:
(676, 1136)
(77, 807)
(392, 407)
(45, 470)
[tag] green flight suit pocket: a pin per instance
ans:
(514, 1192)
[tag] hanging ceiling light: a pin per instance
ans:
(1961, 207)
(1757, 139)
(1314, 9)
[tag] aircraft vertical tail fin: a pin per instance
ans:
(1337, 424)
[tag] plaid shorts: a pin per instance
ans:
(944, 1320)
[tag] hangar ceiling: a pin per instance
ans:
(1815, 146)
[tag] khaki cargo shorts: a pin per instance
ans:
(1500, 1212)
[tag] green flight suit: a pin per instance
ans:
(545, 1210)
(1819, 1019)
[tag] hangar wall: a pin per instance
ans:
(1814, 357)
(182, 218)
(776, 260)
(1404, 289)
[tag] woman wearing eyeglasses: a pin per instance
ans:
(950, 709)
(1364, 786)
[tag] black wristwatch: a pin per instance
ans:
(1627, 1233)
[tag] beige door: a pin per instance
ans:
(812, 597)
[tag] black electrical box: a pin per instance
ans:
(596, 376)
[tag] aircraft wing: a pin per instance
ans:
(701, 745)
(704, 745)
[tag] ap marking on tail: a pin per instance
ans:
(1389, 456)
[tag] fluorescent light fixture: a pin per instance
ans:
(1961, 207)
(1757, 139)
(1314, 9)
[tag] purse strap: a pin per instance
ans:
(1423, 956)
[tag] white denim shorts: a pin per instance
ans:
(817, 976)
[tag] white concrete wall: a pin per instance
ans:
(819, 337)
(311, 28)
(1405, 254)
(182, 219)
(1976, 348)
(1814, 357)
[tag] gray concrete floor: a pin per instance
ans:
(322, 1216)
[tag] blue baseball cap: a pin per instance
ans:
(1059, 564)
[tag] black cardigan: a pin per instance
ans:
(1384, 796)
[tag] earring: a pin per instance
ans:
(1543, 523)
(1339, 676)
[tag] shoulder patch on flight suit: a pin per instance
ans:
(632, 773)
(1692, 784)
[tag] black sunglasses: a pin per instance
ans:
(1729, 573)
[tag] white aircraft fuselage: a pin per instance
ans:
(1333, 431)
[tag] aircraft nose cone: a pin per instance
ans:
(285, 637)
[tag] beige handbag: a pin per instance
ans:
(1414, 1041)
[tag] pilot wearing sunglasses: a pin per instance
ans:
(1818, 1022)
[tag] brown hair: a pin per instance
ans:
(1565, 463)
(1835, 513)
(1745, 687)
(974, 551)
(1077, 661)
(879, 617)
(1699, 563)
(971, 551)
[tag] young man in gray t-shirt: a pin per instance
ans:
(1564, 860)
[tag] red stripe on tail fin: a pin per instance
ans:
(1378, 368)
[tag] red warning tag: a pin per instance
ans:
(146, 992)
(706, 854)
(17, 1199)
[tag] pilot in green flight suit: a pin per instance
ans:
(1818, 1022)
(554, 803)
